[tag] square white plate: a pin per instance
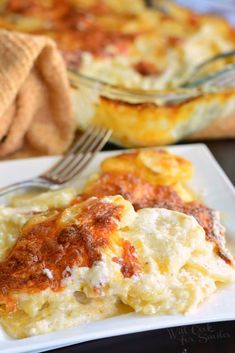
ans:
(218, 193)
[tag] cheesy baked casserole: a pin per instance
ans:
(124, 44)
(146, 54)
(133, 239)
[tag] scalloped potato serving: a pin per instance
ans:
(134, 239)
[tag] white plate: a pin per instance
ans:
(218, 193)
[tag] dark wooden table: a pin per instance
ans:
(207, 338)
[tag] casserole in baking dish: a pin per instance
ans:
(129, 61)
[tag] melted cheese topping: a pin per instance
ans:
(156, 166)
(153, 178)
(55, 255)
(49, 243)
(77, 264)
(66, 261)
(134, 189)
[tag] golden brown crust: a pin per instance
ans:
(129, 262)
(75, 27)
(152, 125)
(158, 166)
(122, 174)
(94, 25)
(142, 194)
(52, 245)
(146, 68)
(98, 28)
(139, 192)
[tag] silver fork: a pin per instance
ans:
(69, 166)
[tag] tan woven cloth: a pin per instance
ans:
(35, 106)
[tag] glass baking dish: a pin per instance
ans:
(153, 117)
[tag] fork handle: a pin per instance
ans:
(36, 182)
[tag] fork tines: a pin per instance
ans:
(81, 153)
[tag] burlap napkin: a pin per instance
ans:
(35, 106)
